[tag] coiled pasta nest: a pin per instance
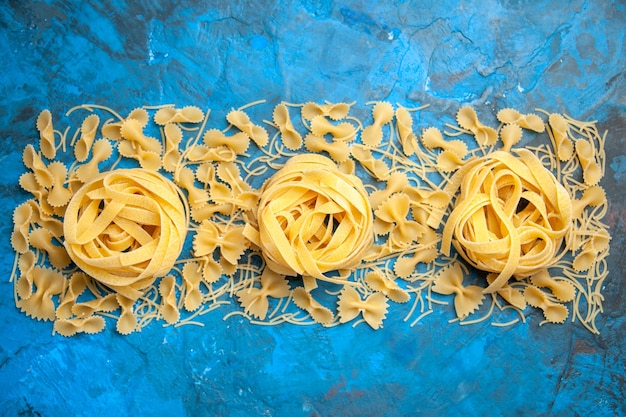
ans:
(126, 228)
(313, 218)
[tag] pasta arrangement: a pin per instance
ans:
(312, 216)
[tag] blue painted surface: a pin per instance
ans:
(561, 56)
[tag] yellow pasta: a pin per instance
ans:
(39, 304)
(404, 124)
(290, 136)
(559, 128)
(187, 114)
(466, 118)
(373, 307)
(552, 311)
(321, 126)
(238, 142)
(241, 121)
(167, 290)
(303, 299)
(255, 300)
(383, 114)
(102, 151)
(313, 219)
(125, 229)
(101, 239)
(527, 121)
(21, 224)
(335, 111)
(492, 232)
(339, 151)
(173, 137)
(46, 134)
(466, 298)
(88, 131)
(70, 327)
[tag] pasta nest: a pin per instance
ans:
(313, 218)
(511, 216)
(126, 228)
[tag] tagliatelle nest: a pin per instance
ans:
(313, 217)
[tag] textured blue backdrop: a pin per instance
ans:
(561, 56)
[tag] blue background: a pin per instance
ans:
(560, 56)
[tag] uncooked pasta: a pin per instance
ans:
(305, 214)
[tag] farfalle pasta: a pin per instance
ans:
(289, 235)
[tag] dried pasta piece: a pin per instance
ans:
(378, 282)
(511, 216)
(192, 276)
(46, 134)
(113, 131)
(339, 151)
(393, 213)
(201, 153)
(448, 161)
(26, 265)
(172, 155)
(382, 113)
(510, 135)
(105, 304)
(231, 241)
(132, 131)
(303, 299)
(592, 173)
(508, 293)
(563, 290)
(41, 239)
(147, 159)
(373, 307)
(553, 312)
(335, 111)
(396, 182)
(466, 118)
(127, 322)
(585, 259)
(313, 219)
(404, 124)
(375, 167)
(467, 299)
(255, 300)
(527, 121)
(71, 327)
(197, 197)
(321, 126)
(238, 142)
(187, 114)
(88, 131)
(76, 286)
(58, 195)
(211, 270)
(21, 225)
(592, 196)
(169, 306)
(432, 138)
(39, 305)
(101, 151)
(290, 136)
(405, 265)
(33, 161)
(241, 121)
(126, 228)
(559, 128)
